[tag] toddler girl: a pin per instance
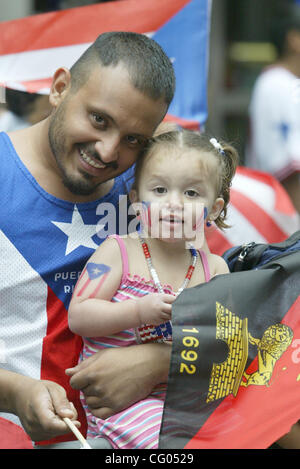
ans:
(125, 293)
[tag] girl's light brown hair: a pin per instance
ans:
(227, 160)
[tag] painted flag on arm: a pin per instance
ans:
(32, 48)
(234, 377)
(93, 271)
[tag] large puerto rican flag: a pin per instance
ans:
(31, 49)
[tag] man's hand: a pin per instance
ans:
(41, 405)
(114, 379)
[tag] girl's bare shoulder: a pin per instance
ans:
(217, 265)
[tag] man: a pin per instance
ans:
(54, 176)
(275, 107)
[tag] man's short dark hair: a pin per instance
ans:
(149, 68)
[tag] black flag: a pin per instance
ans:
(234, 378)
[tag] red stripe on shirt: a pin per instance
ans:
(61, 350)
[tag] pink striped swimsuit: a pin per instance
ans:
(138, 426)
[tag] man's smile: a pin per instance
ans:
(90, 160)
(92, 163)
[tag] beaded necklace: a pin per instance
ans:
(154, 274)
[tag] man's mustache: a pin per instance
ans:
(112, 164)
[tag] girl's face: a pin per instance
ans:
(176, 188)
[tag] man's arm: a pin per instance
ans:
(114, 379)
(40, 405)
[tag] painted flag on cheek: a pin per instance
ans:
(234, 377)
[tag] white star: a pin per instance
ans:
(77, 232)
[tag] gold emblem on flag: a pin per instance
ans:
(227, 377)
(274, 342)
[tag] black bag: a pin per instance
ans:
(254, 255)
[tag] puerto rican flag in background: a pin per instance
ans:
(31, 49)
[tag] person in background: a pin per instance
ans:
(22, 109)
(274, 144)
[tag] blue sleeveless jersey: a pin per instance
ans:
(44, 244)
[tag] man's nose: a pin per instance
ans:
(108, 149)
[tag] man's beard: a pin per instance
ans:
(76, 185)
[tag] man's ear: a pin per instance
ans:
(61, 83)
(216, 209)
